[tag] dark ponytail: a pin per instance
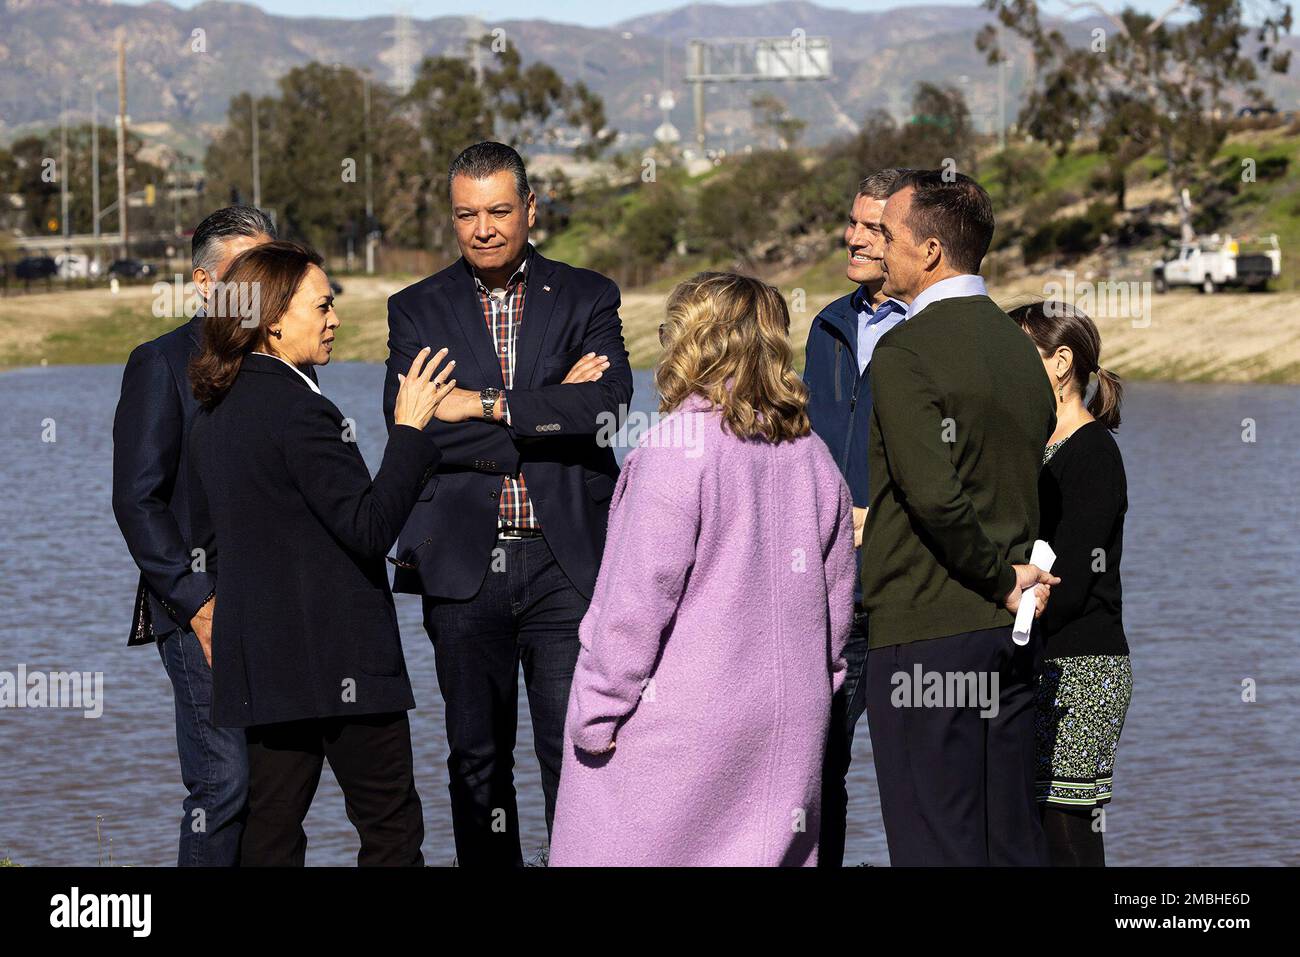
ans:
(1106, 400)
(1052, 325)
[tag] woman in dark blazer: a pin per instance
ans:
(1086, 682)
(305, 649)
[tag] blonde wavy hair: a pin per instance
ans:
(727, 339)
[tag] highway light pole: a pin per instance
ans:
(257, 156)
(1002, 92)
(63, 165)
(370, 193)
(94, 166)
(121, 143)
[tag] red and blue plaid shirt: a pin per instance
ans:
(503, 310)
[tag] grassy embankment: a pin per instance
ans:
(1228, 337)
(1231, 337)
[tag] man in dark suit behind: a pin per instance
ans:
(506, 539)
(174, 600)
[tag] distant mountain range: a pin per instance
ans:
(49, 47)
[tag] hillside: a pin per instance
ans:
(1043, 204)
(51, 46)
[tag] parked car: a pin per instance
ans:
(131, 269)
(76, 266)
(1213, 262)
(36, 267)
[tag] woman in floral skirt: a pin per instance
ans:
(1083, 694)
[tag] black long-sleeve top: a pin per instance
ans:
(1083, 495)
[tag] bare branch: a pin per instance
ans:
(1073, 5)
(1159, 21)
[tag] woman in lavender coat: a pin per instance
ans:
(714, 640)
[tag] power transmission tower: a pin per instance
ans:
(404, 54)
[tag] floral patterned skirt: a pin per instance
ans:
(1081, 704)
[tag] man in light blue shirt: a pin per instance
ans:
(837, 372)
(874, 323)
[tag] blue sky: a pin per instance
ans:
(585, 12)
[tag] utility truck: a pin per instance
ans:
(1213, 262)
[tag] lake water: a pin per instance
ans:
(1210, 567)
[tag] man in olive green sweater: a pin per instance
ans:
(961, 414)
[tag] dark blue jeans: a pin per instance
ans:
(214, 761)
(527, 612)
(846, 708)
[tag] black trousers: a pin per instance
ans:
(956, 785)
(371, 758)
(527, 613)
(846, 708)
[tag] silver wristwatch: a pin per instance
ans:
(489, 398)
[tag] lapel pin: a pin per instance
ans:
(546, 289)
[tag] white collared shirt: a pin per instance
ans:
(314, 387)
(954, 287)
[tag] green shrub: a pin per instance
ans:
(1070, 236)
(651, 230)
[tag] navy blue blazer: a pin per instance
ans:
(150, 482)
(839, 396)
(558, 435)
(281, 499)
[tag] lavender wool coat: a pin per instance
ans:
(726, 593)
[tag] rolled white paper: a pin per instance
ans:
(1042, 556)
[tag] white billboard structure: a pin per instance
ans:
(753, 60)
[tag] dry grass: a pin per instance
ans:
(1227, 337)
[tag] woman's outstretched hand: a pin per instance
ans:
(421, 390)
